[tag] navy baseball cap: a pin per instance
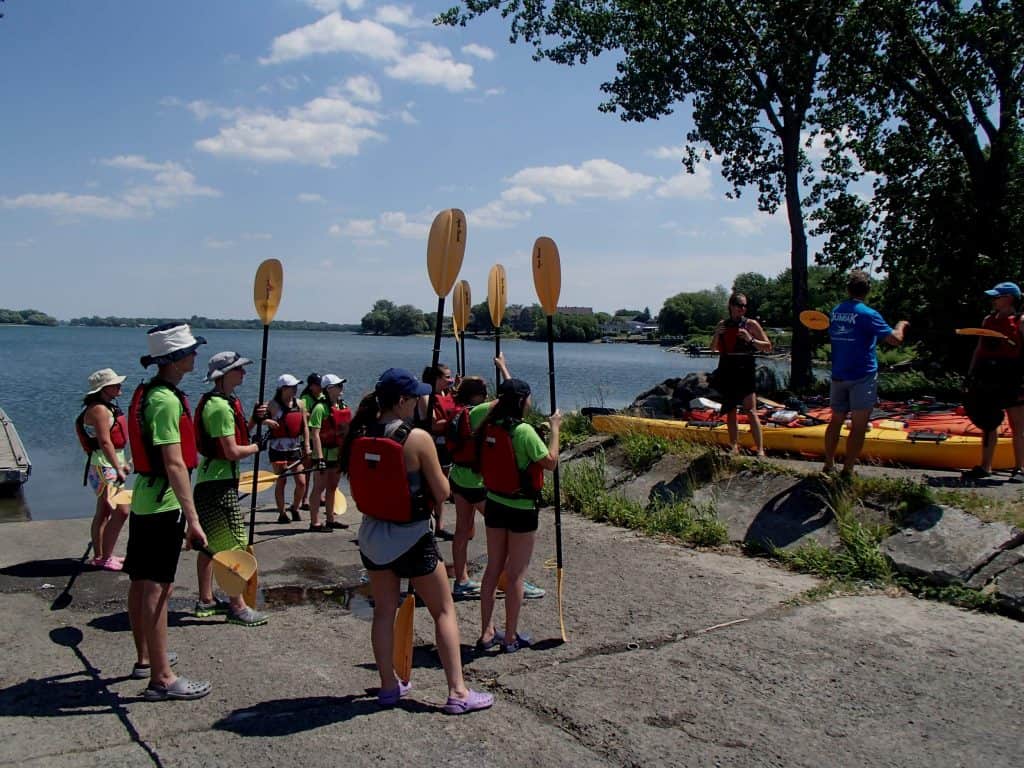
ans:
(1005, 289)
(403, 382)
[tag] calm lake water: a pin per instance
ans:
(43, 375)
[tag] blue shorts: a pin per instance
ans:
(854, 395)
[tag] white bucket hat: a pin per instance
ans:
(104, 377)
(168, 343)
(223, 362)
(287, 380)
(330, 380)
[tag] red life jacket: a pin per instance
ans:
(331, 426)
(118, 430)
(289, 422)
(148, 458)
(498, 464)
(378, 480)
(210, 446)
(461, 441)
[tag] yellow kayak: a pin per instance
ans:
(882, 444)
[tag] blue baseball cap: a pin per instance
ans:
(403, 382)
(1005, 289)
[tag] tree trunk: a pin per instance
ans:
(800, 376)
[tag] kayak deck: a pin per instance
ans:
(881, 444)
(15, 466)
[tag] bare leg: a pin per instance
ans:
(750, 406)
(115, 522)
(384, 588)
(835, 426)
(433, 588)
(497, 552)
(520, 549)
(855, 440)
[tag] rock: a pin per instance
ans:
(945, 545)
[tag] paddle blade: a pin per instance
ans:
(547, 274)
(497, 294)
(446, 245)
(462, 303)
(987, 333)
(264, 483)
(403, 638)
(815, 320)
(118, 496)
(267, 289)
(252, 584)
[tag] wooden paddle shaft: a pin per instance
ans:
(259, 428)
(554, 475)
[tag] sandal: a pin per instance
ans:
(497, 639)
(473, 702)
(182, 689)
(141, 671)
(392, 697)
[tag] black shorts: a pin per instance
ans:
(472, 495)
(420, 560)
(154, 546)
(497, 515)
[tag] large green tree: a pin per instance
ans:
(749, 69)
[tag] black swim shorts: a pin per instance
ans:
(497, 515)
(420, 560)
(154, 546)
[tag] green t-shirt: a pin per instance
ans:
(218, 421)
(528, 448)
(464, 476)
(160, 423)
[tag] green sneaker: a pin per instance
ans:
(215, 608)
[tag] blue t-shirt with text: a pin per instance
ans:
(855, 330)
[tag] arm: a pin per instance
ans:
(98, 419)
(421, 445)
(181, 484)
(551, 460)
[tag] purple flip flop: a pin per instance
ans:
(473, 702)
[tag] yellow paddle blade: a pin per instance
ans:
(252, 583)
(815, 320)
(446, 245)
(497, 294)
(267, 289)
(340, 503)
(403, 638)
(118, 496)
(264, 483)
(463, 301)
(547, 274)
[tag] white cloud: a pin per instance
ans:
(363, 88)
(309, 197)
(747, 226)
(433, 65)
(593, 178)
(215, 244)
(170, 184)
(480, 51)
(333, 34)
(315, 133)
(691, 186)
(397, 16)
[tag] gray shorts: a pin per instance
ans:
(854, 395)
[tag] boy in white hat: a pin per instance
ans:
(223, 439)
(163, 513)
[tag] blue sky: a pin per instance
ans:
(155, 153)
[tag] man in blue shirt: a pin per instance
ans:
(855, 330)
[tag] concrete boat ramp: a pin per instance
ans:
(675, 657)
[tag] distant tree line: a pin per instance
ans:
(197, 321)
(25, 317)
